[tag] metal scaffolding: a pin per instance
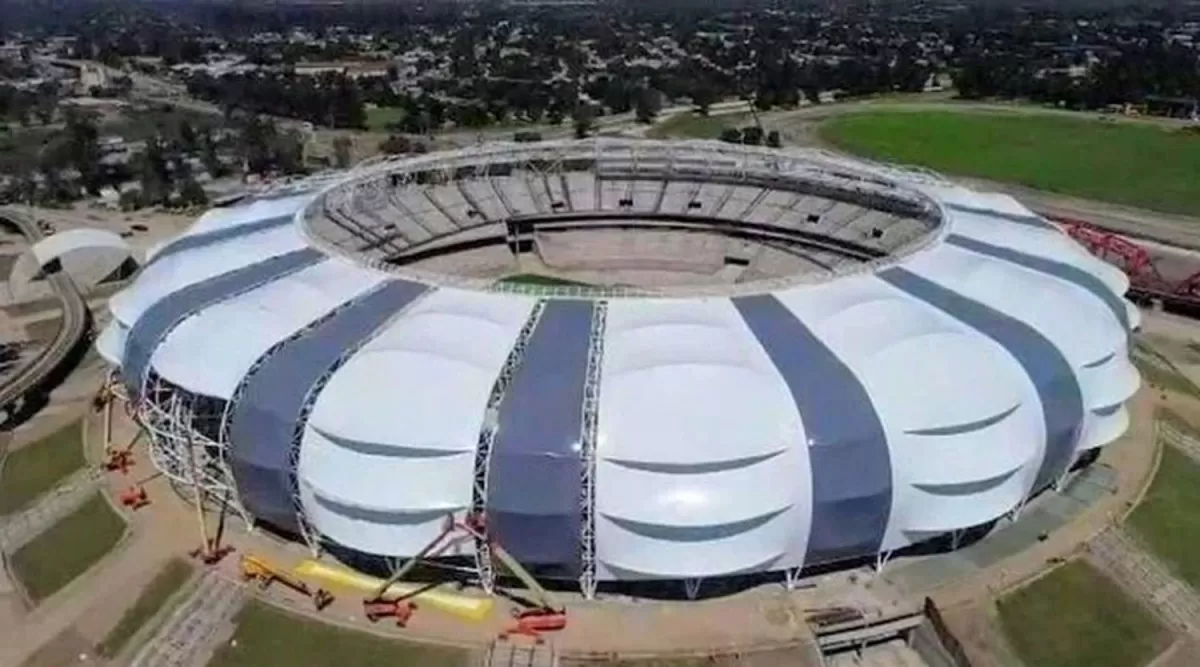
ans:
(591, 419)
(188, 443)
(487, 435)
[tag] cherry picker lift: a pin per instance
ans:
(265, 573)
(546, 614)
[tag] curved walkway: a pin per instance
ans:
(74, 324)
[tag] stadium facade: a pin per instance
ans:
(932, 358)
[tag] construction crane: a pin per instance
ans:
(545, 615)
(265, 573)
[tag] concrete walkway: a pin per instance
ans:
(18, 530)
(1120, 554)
(190, 635)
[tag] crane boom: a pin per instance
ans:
(543, 596)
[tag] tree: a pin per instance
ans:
(399, 145)
(584, 121)
(191, 193)
(154, 175)
(83, 149)
(342, 155)
(703, 98)
(647, 105)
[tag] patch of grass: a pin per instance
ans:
(37, 467)
(1076, 616)
(1164, 375)
(68, 548)
(169, 580)
(379, 118)
(1168, 518)
(692, 125)
(268, 636)
(538, 279)
(1139, 165)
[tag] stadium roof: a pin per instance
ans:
(639, 436)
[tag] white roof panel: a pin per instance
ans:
(438, 361)
(176, 272)
(251, 323)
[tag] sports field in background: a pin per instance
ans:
(1076, 616)
(1136, 164)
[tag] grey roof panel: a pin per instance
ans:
(161, 318)
(1030, 220)
(1056, 384)
(1060, 270)
(204, 239)
(270, 408)
(535, 474)
(848, 451)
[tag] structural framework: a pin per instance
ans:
(858, 358)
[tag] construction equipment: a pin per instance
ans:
(264, 573)
(453, 533)
(118, 460)
(134, 497)
(467, 607)
(211, 552)
(401, 610)
(546, 614)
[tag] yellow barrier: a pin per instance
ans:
(471, 608)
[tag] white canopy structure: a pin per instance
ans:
(87, 255)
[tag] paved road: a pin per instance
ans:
(73, 326)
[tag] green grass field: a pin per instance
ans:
(169, 581)
(1076, 616)
(692, 125)
(37, 467)
(538, 279)
(1168, 518)
(1135, 164)
(68, 548)
(379, 118)
(268, 636)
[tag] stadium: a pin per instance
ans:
(730, 360)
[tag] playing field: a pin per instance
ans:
(1077, 617)
(1168, 518)
(1136, 164)
(68, 548)
(692, 125)
(379, 118)
(268, 636)
(37, 467)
